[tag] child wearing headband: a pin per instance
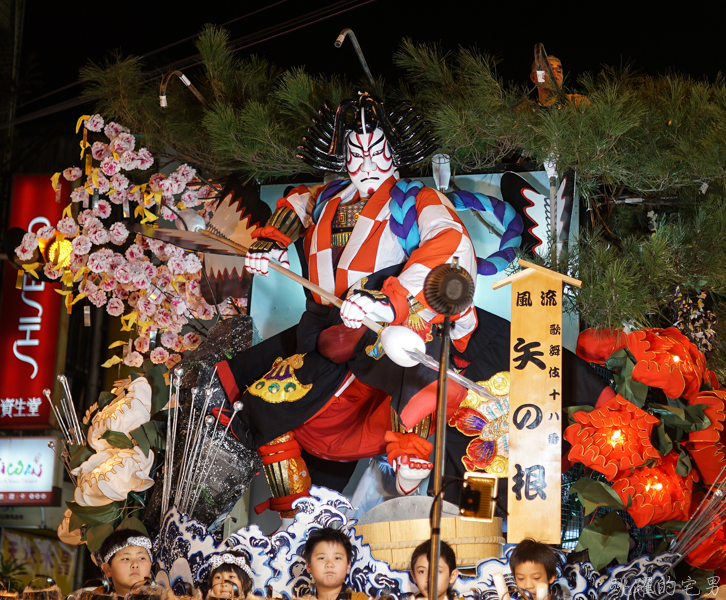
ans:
(228, 569)
(126, 556)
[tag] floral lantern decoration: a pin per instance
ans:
(613, 438)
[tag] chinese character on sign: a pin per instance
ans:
(524, 299)
(6, 404)
(554, 372)
(532, 479)
(553, 439)
(555, 330)
(555, 350)
(554, 395)
(528, 354)
(20, 407)
(554, 416)
(549, 298)
(33, 406)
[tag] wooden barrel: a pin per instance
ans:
(394, 541)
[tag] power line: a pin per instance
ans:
(184, 62)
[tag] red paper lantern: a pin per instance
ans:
(612, 438)
(658, 493)
(706, 447)
(666, 359)
(596, 345)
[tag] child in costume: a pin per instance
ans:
(126, 556)
(230, 576)
(534, 565)
(420, 569)
(328, 554)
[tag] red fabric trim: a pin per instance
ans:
(269, 459)
(228, 382)
(280, 504)
(285, 203)
(398, 296)
(271, 233)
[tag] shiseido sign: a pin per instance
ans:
(29, 316)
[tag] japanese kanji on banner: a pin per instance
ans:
(41, 555)
(30, 317)
(535, 404)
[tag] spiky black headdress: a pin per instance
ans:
(409, 136)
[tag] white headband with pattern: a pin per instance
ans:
(139, 540)
(218, 560)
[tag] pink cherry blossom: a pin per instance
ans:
(177, 265)
(72, 173)
(134, 252)
(118, 233)
(136, 196)
(204, 311)
(172, 250)
(192, 341)
(110, 166)
(177, 305)
(186, 172)
(113, 129)
(81, 244)
(168, 214)
(97, 298)
(145, 159)
(79, 195)
(142, 343)
(67, 226)
(193, 264)
(30, 241)
(172, 361)
(98, 235)
(133, 299)
(88, 221)
(102, 210)
(155, 182)
(158, 355)
(100, 151)
(23, 253)
(97, 262)
(119, 182)
(129, 161)
(115, 307)
(156, 246)
(94, 123)
(118, 197)
(123, 142)
(50, 272)
(109, 285)
(134, 359)
(45, 233)
(103, 184)
(123, 273)
(162, 317)
(145, 306)
(190, 198)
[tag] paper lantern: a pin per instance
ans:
(612, 438)
(658, 493)
(667, 359)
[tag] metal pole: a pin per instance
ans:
(438, 474)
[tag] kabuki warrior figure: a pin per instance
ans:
(326, 386)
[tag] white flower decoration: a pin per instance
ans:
(124, 414)
(69, 537)
(110, 475)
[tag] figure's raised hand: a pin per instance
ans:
(365, 303)
(259, 254)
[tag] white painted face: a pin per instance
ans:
(369, 160)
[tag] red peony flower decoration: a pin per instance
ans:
(667, 359)
(658, 493)
(596, 345)
(612, 438)
(706, 446)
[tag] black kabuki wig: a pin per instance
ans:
(407, 133)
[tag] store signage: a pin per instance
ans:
(27, 467)
(30, 317)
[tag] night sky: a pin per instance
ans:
(60, 37)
